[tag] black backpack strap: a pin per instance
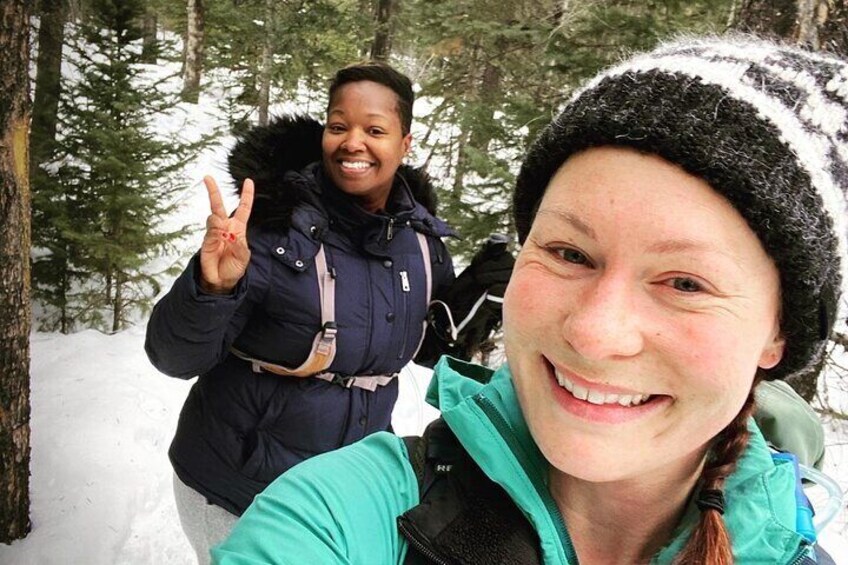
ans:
(432, 454)
(463, 517)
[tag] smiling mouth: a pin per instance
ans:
(355, 165)
(600, 398)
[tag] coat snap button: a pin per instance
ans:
(388, 263)
(390, 317)
(298, 263)
(281, 251)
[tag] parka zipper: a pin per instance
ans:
(390, 232)
(520, 454)
(405, 289)
(418, 542)
(801, 557)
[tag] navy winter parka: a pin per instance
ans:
(240, 429)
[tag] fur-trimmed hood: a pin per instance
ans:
(288, 144)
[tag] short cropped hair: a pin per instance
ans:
(381, 73)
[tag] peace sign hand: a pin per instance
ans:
(224, 254)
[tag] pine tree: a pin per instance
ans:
(101, 225)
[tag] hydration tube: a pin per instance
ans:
(835, 499)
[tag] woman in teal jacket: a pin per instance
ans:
(683, 238)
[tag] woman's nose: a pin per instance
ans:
(603, 322)
(353, 142)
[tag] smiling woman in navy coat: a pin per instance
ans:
(302, 306)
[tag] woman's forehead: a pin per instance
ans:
(643, 197)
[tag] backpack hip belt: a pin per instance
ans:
(367, 382)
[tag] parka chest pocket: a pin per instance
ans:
(293, 294)
(296, 253)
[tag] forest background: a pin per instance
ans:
(104, 180)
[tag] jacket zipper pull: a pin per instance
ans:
(404, 281)
(390, 229)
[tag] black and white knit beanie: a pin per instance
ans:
(765, 125)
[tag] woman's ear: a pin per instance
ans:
(407, 143)
(773, 351)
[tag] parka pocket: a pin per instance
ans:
(294, 251)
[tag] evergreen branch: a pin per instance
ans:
(840, 339)
(831, 413)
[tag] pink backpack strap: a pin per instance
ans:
(428, 275)
(324, 345)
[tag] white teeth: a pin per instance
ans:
(580, 393)
(597, 397)
(355, 165)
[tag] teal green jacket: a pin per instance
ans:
(342, 507)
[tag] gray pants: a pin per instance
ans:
(204, 524)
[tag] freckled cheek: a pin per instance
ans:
(712, 353)
(528, 300)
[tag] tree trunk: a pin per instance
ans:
(833, 27)
(76, 10)
(149, 41)
(118, 304)
(51, 35)
(808, 30)
(15, 320)
(382, 45)
(194, 45)
(815, 24)
(461, 165)
(267, 63)
(490, 93)
(769, 18)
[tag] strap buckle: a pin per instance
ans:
(324, 345)
(345, 381)
(329, 331)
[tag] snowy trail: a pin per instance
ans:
(102, 420)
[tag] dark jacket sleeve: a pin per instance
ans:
(189, 331)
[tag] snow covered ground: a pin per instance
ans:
(102, 420)
(103, 417)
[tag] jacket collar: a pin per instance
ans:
(486, 418)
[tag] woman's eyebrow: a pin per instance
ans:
(685, 245)
(571, 219)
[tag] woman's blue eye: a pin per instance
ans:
(685, 284)
(573, 256)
